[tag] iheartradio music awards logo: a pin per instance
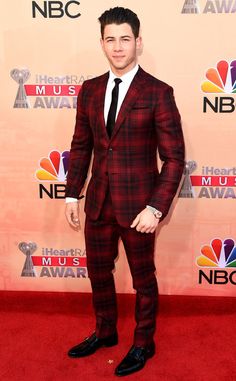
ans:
(209, 6)
(47, 91)
(215, 257)
(213, 182)
(53, 263)
(220, 80)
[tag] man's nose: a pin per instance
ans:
(117, 46)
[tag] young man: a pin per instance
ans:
(124, 116)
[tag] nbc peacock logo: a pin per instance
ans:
(220, 80)
(53, 169)
(218, 256)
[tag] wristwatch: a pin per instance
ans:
(157, 213)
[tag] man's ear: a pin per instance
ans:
(139, 42)
(102, 43)
(139, 45)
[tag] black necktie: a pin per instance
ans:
(111, 118)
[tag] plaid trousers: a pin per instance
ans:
(101, 237)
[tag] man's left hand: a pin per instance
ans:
(145, 222)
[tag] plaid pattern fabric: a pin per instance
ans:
(147, 121)
(102, 238)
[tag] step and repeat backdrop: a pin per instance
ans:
(48, 49)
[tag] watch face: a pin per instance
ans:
(158, 214)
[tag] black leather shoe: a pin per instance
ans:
(135, 360)
(91, 344)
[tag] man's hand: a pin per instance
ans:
(145, 222)
(72, 214)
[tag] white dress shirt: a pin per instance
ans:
(123, 88)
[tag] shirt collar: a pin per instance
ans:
(127, 77)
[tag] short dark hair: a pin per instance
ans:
(120, 15)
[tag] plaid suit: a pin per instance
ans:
(125, 178)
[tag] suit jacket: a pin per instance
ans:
(148, 121)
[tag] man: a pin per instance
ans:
(124, 117)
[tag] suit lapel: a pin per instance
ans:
(100, 102)
(130, 99)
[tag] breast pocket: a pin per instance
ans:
(141, 116)
(141, 106)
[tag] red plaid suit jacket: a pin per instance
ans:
(148, 121)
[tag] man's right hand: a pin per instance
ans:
(72, 214)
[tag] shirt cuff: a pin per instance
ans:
(71, 199)
(152, 208)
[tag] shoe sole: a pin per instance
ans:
(107, 345)
(147, 358)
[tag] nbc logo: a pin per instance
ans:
(219, 255)
(220, 80)
(53, 168)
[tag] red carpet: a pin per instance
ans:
(196, 339)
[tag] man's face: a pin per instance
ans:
(120, 47)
